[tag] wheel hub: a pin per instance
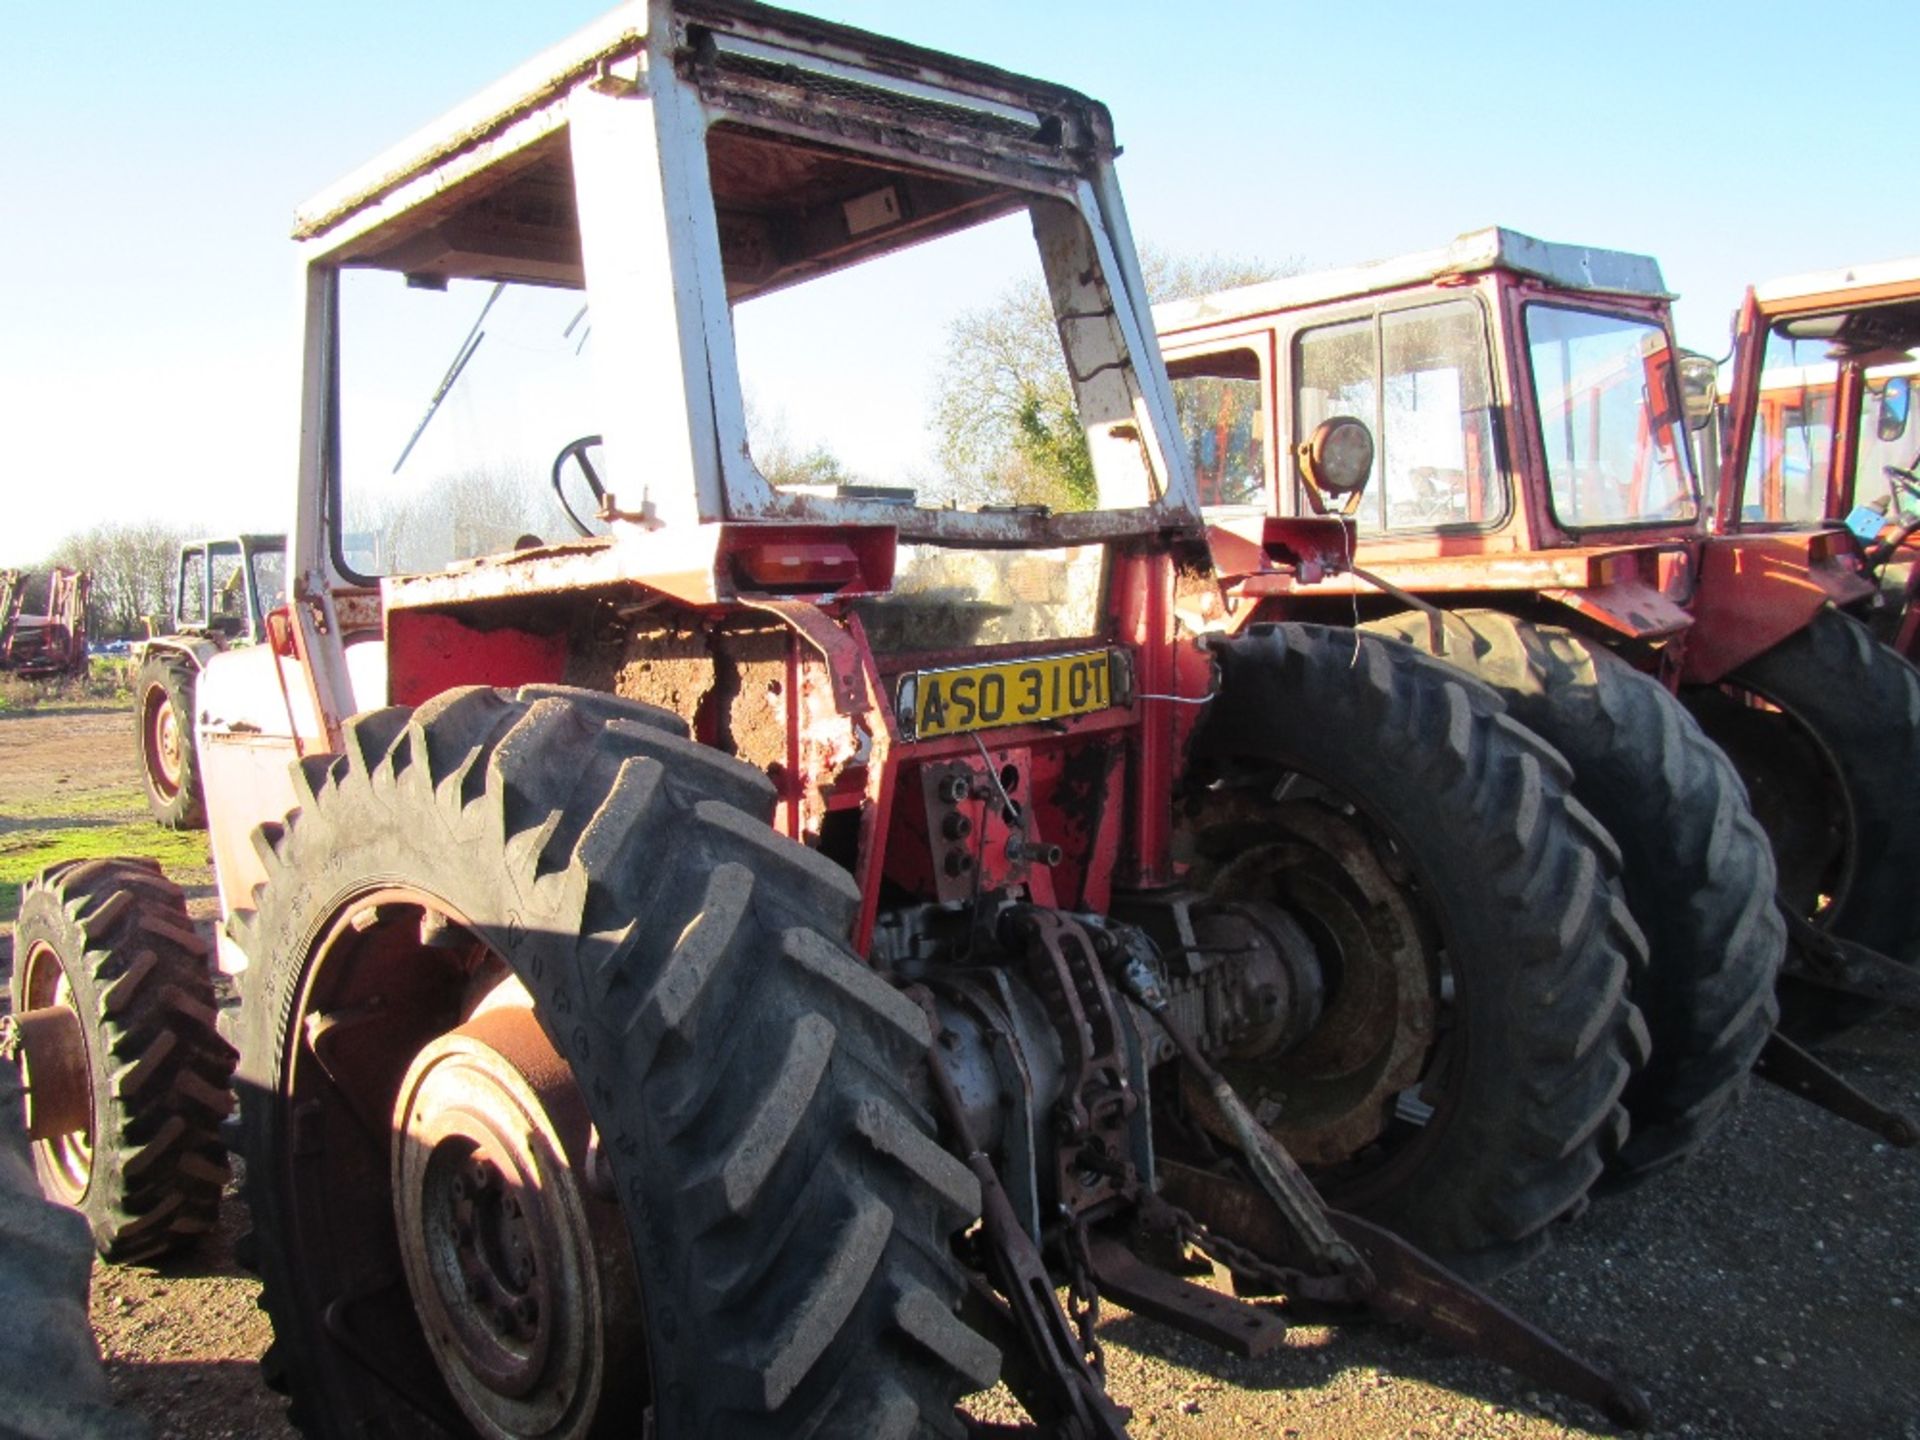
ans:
(53, 1051)
(1333, 1094)
(519, 1274)
(163, 728)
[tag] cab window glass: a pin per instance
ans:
(269, 580)
(1224, 424)
(1336, 372)
(1887, 438)
(454, 402)
(1793, 432)
(193, 587)
(1612, 427)
(228, 592)
(1791, 455)
(1420, 379)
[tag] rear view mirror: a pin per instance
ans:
(1896, 398)
(1699, 388)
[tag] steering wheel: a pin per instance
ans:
(577, 452)
(1902, 479)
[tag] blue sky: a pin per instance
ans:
(152, 156)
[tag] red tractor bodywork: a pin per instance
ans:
(1651, 567)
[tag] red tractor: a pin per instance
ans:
(715, 956)
(45, 646)
(1534, 518)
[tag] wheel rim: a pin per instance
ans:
(66, 1161)
(162, 729)
(1798, 794)
(516, 1277)
(1360, 1100)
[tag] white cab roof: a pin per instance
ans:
(1576, 267)
(1895, 273)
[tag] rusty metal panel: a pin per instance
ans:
(1633, 609)
(1757, 589)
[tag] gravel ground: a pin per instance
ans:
(1768, 1288)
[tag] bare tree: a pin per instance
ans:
(133, 567)
(781, 461)
(1007, 428)
(480, 510)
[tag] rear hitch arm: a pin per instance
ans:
(1785, 1064)
(1286, 1216)
(1408, 1287)
(1826, 960)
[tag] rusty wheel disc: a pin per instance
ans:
(515, 1268)
(1364, 1082)
(163, 741)
(67, 1157)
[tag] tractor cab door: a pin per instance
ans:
(1417, 370)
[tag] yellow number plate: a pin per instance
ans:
(931, 703)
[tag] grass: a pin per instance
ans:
(90, 817)
(24, 853)
(125, 801)
(108, 681)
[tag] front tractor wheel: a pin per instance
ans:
(1825, 729)
(569, 1112)
(127, 1077)
(1462, 1084)
(163, 738)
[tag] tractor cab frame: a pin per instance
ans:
(1818, 425)
(1532, 419)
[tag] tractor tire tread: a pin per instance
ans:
(1861, 702)
(162, 1075)
(1486, 807)
(790, 1198)
(186, 807)
(1696, 866)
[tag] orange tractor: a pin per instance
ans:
(1819, 424)
(714, 956)
(1533, 517)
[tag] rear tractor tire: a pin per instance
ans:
(1696, 865)
(109, 942)
(569, 1112)
(1825, 730)
(1463, 1083)
(163, 738)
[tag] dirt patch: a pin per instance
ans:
(182, 1343)
(48, 753)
